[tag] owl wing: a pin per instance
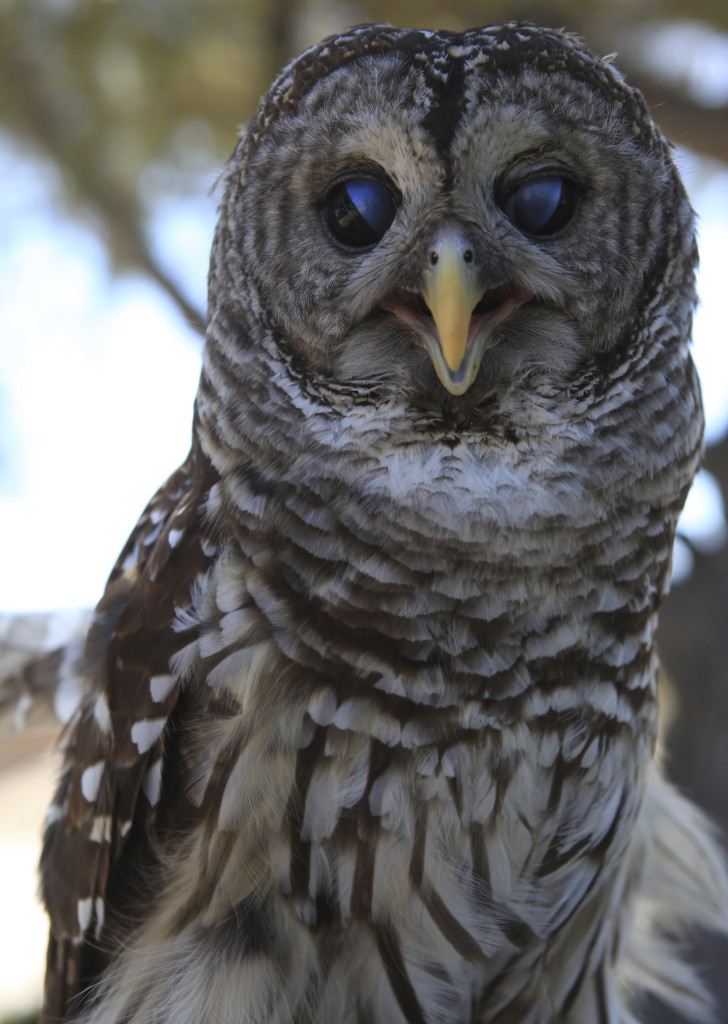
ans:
(113, 750)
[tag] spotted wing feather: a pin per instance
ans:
(113, 768)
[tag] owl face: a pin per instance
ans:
(441, 231)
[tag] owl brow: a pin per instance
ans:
(500, 49)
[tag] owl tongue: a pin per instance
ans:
(412, 307)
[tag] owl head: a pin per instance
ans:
(433, 211)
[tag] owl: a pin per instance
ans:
(364, 726)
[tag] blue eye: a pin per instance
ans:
(359, 212)
(542, 206)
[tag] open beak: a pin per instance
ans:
(455, 316)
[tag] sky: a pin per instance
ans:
(98, 373)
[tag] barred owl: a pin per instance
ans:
(365, 721)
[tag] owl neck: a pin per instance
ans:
(387, 559)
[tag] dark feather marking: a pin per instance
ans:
(490, 993)
(363, 883)
(300, 859)
(557, 786)
(444, 116)
(481, 867)
(245, 931)
(554, 859)
(576, 988)
(458, 936)
(417, 860)
(598, 853)
(519, 933)
(602, 999)
(391, 956)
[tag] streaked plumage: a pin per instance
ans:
(367, 714)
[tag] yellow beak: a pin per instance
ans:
(451, 291)
(454, 337)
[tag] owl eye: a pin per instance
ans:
(358, 212)
(542, 206)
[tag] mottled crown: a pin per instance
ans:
(444, 57)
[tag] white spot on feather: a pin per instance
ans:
(229, 586)
(175, 536)
(362, 715)
(590, 754)
(322, 804)
(160, 687)
(54, 814)
(390, 799)
(91, 780)
(151, 537)
(322, 706)
(99, 908)
(83, 912)
(454, 759)
(102, 714)
(459, 51)
(101, 829)
(549, 748)
(152, 784)
(124, 828)
(146, 733)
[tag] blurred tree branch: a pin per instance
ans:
(120, 220)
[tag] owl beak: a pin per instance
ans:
(459, 321)
(451, 292)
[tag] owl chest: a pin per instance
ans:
(497, 826)
(462, 861)
(410, 786)
(471, 744)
